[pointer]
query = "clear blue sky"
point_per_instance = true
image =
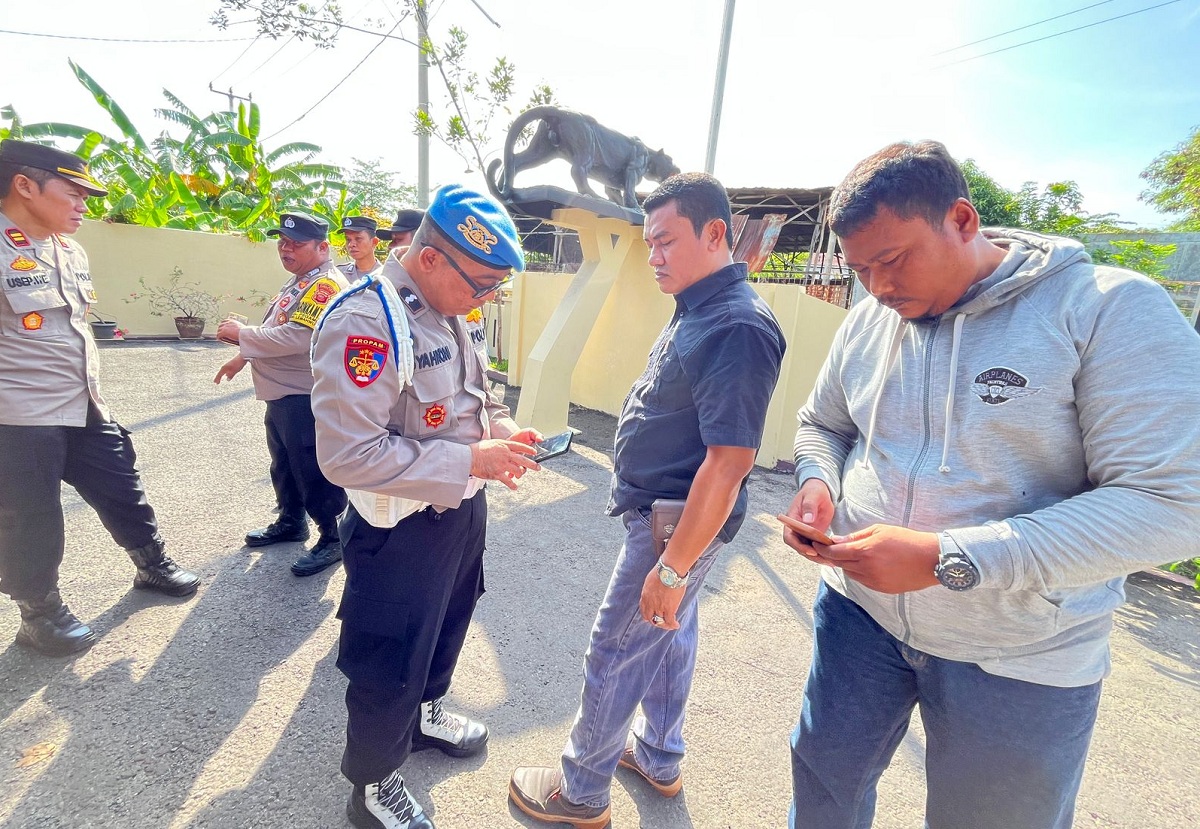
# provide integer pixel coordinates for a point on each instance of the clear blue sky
(811, 87)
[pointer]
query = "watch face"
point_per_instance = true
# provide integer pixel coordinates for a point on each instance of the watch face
(958, 574)
(668, 576)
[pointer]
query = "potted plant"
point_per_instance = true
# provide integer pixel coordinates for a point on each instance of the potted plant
(186, 301)
(103, 329)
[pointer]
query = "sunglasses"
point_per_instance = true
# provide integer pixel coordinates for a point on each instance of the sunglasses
(480, 291)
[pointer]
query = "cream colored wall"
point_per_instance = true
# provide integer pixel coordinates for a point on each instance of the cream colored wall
(630, 321)
(120, 254)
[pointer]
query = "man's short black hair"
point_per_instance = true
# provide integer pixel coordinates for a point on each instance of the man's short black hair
(909, 179)
(10, 171)
(699, 197)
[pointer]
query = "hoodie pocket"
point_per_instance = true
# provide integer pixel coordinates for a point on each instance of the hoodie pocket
(973, 624)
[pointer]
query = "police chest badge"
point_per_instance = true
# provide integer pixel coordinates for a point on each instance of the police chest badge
(23, 263)
(476, 315)
(365, 359)
(434, 416)
(1000, 385)
(32, 321)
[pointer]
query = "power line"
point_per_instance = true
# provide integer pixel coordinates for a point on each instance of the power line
(1057, 34)
(235, 60)
(1020, 28)
(357, 66)
(125, 39)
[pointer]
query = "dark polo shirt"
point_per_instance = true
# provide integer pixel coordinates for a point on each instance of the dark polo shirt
(708, 382)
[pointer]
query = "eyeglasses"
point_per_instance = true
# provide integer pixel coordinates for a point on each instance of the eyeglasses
(480, 291)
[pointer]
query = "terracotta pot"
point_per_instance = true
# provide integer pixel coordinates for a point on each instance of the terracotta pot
(190, 328)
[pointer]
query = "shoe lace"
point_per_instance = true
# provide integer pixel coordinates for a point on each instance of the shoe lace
(438, 717)
(393, 796)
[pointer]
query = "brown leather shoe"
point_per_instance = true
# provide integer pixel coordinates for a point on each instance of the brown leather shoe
(667, 788)
(537, 791)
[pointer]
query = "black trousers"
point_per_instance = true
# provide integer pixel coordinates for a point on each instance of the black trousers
(98, 460)
(299, 484)
(409, 596)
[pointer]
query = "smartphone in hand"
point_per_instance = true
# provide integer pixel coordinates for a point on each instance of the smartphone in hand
(805, 531)
(553, 446)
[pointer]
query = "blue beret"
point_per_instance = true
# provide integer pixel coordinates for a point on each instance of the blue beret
(477, 225)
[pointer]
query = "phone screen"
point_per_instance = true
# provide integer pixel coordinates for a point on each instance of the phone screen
(553, 446)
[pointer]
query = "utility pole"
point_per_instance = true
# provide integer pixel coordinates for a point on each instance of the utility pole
(422, 104)
(248, 98)
(714, 124)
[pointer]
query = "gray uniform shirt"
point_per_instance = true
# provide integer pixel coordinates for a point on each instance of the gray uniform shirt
(48, 362)
(278, 349)
(377, 435)
(350, 269)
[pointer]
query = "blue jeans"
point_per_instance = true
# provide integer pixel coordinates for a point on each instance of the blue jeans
(630, 661)
(1001, 753)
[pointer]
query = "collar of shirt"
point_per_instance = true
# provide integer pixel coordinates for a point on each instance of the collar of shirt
(694, 296)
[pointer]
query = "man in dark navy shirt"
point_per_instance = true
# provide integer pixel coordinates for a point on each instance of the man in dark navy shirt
(690, 429)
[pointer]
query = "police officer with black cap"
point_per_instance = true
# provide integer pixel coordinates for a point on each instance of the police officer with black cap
(414, 435)
(361, 241)
(400, 234)
(54, 425)
(277, 351)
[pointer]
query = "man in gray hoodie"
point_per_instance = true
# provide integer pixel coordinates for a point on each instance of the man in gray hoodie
(1000, 435)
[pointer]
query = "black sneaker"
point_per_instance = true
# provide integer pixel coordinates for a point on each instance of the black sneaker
(278, 532)
(386, 805)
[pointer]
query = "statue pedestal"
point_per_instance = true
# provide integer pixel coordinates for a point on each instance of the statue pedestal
(612, 245)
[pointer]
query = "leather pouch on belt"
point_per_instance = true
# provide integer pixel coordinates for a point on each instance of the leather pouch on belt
(664, 516)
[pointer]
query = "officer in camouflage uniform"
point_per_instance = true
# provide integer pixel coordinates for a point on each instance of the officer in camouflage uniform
(277, 352)
(54, 425)
(411, 429)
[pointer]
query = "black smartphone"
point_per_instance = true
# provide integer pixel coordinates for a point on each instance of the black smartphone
(553, 446)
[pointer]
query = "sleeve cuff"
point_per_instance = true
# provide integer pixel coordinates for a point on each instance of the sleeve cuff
(812, 470)
(990, 547)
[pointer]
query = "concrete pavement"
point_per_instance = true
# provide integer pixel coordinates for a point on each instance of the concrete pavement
(225, 710)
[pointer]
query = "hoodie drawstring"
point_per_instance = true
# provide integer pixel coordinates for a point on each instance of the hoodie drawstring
(954, 342)
(893, 350)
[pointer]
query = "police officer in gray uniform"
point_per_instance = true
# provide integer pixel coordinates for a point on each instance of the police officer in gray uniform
(412, 431)
(277, 352)
(400, 234)
(361, 241)
(54, 425)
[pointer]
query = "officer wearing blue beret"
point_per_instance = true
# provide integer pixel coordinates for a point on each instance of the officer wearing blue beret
(407, 424)
(54, 425)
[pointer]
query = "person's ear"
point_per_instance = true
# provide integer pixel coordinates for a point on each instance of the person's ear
(963, 219)
(714, 233)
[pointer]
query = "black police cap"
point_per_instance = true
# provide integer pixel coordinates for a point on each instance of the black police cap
(407, 219)
(301, 227)
(358, 223)
(63, 164)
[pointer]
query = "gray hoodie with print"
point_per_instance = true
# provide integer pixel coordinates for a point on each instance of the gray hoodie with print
(1047, 425)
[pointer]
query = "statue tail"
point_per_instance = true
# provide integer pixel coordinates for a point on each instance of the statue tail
(503, 181)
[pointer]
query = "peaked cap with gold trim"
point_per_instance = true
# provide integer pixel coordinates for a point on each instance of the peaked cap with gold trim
(63, 164)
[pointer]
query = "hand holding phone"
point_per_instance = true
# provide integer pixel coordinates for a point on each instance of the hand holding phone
(553, 446)
(805, 531)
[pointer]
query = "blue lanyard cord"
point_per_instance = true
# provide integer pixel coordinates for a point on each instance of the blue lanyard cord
(387, 312)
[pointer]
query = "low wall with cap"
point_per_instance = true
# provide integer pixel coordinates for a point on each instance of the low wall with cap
(243, 273)
(632, 317)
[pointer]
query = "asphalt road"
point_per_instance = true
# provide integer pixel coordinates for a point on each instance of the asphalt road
(226, 711)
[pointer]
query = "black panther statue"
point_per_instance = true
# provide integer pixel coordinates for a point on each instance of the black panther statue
(618, 161)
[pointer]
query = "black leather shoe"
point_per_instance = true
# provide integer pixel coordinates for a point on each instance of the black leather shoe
(49, 627)
(451, 734)
(386, 805)
(277, 533)
(326, 553)
(156, 571)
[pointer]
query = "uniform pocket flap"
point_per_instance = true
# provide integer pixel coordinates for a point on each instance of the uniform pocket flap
(38, 299)
(372, 615)
(435, 384)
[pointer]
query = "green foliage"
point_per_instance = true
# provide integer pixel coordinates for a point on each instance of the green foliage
(997, 205)
(1189, 567)
(218, 177)
(1136, 255)
(178, 298)
(1174, 183)
(377, 190)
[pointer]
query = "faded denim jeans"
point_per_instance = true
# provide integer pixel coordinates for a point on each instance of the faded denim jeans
(630, 662)
(1001, 753)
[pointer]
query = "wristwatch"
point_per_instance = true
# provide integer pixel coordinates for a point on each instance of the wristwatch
(668, 576)
(956, 571)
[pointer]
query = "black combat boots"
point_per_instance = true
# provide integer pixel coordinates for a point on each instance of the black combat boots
(156, 571)
(49, 627)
